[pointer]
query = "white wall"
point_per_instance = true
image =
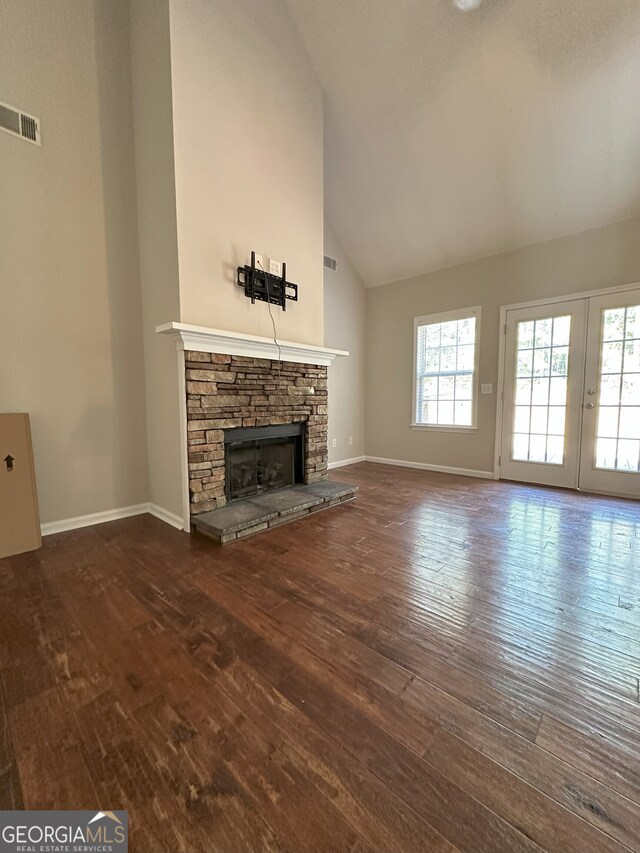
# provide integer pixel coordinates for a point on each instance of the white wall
(70, 348)
(603, 257)
(344, 323)
(155, 180)
(248, 131)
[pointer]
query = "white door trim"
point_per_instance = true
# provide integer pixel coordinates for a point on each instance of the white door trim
(570, 297)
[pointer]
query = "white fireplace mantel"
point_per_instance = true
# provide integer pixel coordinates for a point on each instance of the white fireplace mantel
(203, 339)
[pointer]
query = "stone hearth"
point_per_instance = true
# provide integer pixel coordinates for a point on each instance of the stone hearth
(256, 514)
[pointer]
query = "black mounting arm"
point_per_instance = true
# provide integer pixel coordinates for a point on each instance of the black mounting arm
(266, 287)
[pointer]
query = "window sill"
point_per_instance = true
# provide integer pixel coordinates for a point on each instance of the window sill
(437, 428)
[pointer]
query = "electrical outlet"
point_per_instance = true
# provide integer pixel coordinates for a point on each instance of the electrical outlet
(350, 439)
(275, 267)
(334, 442)
(486, 388)
(259, 261)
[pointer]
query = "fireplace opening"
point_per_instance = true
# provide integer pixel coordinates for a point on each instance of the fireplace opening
(259, 459)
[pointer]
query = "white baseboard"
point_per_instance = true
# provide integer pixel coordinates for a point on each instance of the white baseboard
(111, 515)
(93, 518)
(342, 462)
(426, 466)
(166, 516)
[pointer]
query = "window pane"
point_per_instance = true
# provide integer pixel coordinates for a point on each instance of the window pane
(630, 422)
(465, 357)
(467, 331)
(555, 449)
(628, 455)
(610, 390)
(632, 357)
(612, 358)
(606, 453)
(464, 387)
(630, 389)
(556, 420)
(429, 413)
(523, 392)
(430, 388)
(608, 422)
(525, 335)
(447, 359)
(613, 327)
(432, 360)
(632, 329)
(463, 413)
(537, 448)
(561, 331)
(542, 362)
(558, 391)
(449, 333)
(540, 392)
(520, 447)
(525, 363)
(433, 335)
(445, 412)
(539, 420)
(560, 361)
(446, 387)
(522, 419)
(542, 337)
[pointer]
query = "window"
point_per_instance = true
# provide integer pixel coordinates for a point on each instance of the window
(446, 368)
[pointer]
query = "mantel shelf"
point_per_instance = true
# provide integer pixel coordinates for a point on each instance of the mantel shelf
(203, 339)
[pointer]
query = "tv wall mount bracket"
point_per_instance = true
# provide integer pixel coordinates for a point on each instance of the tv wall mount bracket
(266, 287)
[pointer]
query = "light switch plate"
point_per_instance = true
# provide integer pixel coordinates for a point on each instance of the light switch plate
(486, 388)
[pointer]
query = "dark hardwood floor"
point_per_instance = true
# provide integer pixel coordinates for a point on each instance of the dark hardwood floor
(445, 664)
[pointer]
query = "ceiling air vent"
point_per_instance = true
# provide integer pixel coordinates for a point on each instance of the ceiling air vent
(330, 263)
(20, 124)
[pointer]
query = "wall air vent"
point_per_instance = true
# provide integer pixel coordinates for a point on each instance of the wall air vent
(20, 124)
(330, 263)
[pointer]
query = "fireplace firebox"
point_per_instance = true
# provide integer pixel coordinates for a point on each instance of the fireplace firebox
(259, 459)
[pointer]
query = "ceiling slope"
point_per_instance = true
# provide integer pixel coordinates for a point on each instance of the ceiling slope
(451, 136)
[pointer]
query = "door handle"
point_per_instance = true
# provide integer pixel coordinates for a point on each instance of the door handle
(589, 405)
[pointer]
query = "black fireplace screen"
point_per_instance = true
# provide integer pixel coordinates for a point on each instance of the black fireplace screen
(258, 459)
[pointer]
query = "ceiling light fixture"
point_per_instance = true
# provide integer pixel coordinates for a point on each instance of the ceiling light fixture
(467, 5)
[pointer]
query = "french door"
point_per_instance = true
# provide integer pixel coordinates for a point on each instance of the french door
(571, 397)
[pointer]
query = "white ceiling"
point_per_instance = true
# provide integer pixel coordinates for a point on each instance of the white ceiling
(451, 136)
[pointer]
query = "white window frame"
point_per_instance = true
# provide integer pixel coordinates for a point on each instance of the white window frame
(431, 319)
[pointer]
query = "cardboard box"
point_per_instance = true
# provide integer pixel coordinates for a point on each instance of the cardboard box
(19, 515)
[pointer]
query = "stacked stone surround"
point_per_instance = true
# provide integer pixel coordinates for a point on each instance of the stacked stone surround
(228, 391)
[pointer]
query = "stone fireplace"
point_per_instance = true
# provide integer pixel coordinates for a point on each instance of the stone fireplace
(253, 427)
(245, 417)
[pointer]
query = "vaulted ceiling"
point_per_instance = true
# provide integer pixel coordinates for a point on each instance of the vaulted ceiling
(451, 136)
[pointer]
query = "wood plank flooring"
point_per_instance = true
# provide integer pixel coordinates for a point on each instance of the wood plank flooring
(444, 665)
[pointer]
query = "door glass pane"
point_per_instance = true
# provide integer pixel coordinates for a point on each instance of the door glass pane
(618, 432)
(542, 368)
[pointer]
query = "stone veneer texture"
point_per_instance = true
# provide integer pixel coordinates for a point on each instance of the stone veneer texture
(228, 391)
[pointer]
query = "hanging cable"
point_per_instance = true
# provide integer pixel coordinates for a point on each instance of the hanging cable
(273, 323)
